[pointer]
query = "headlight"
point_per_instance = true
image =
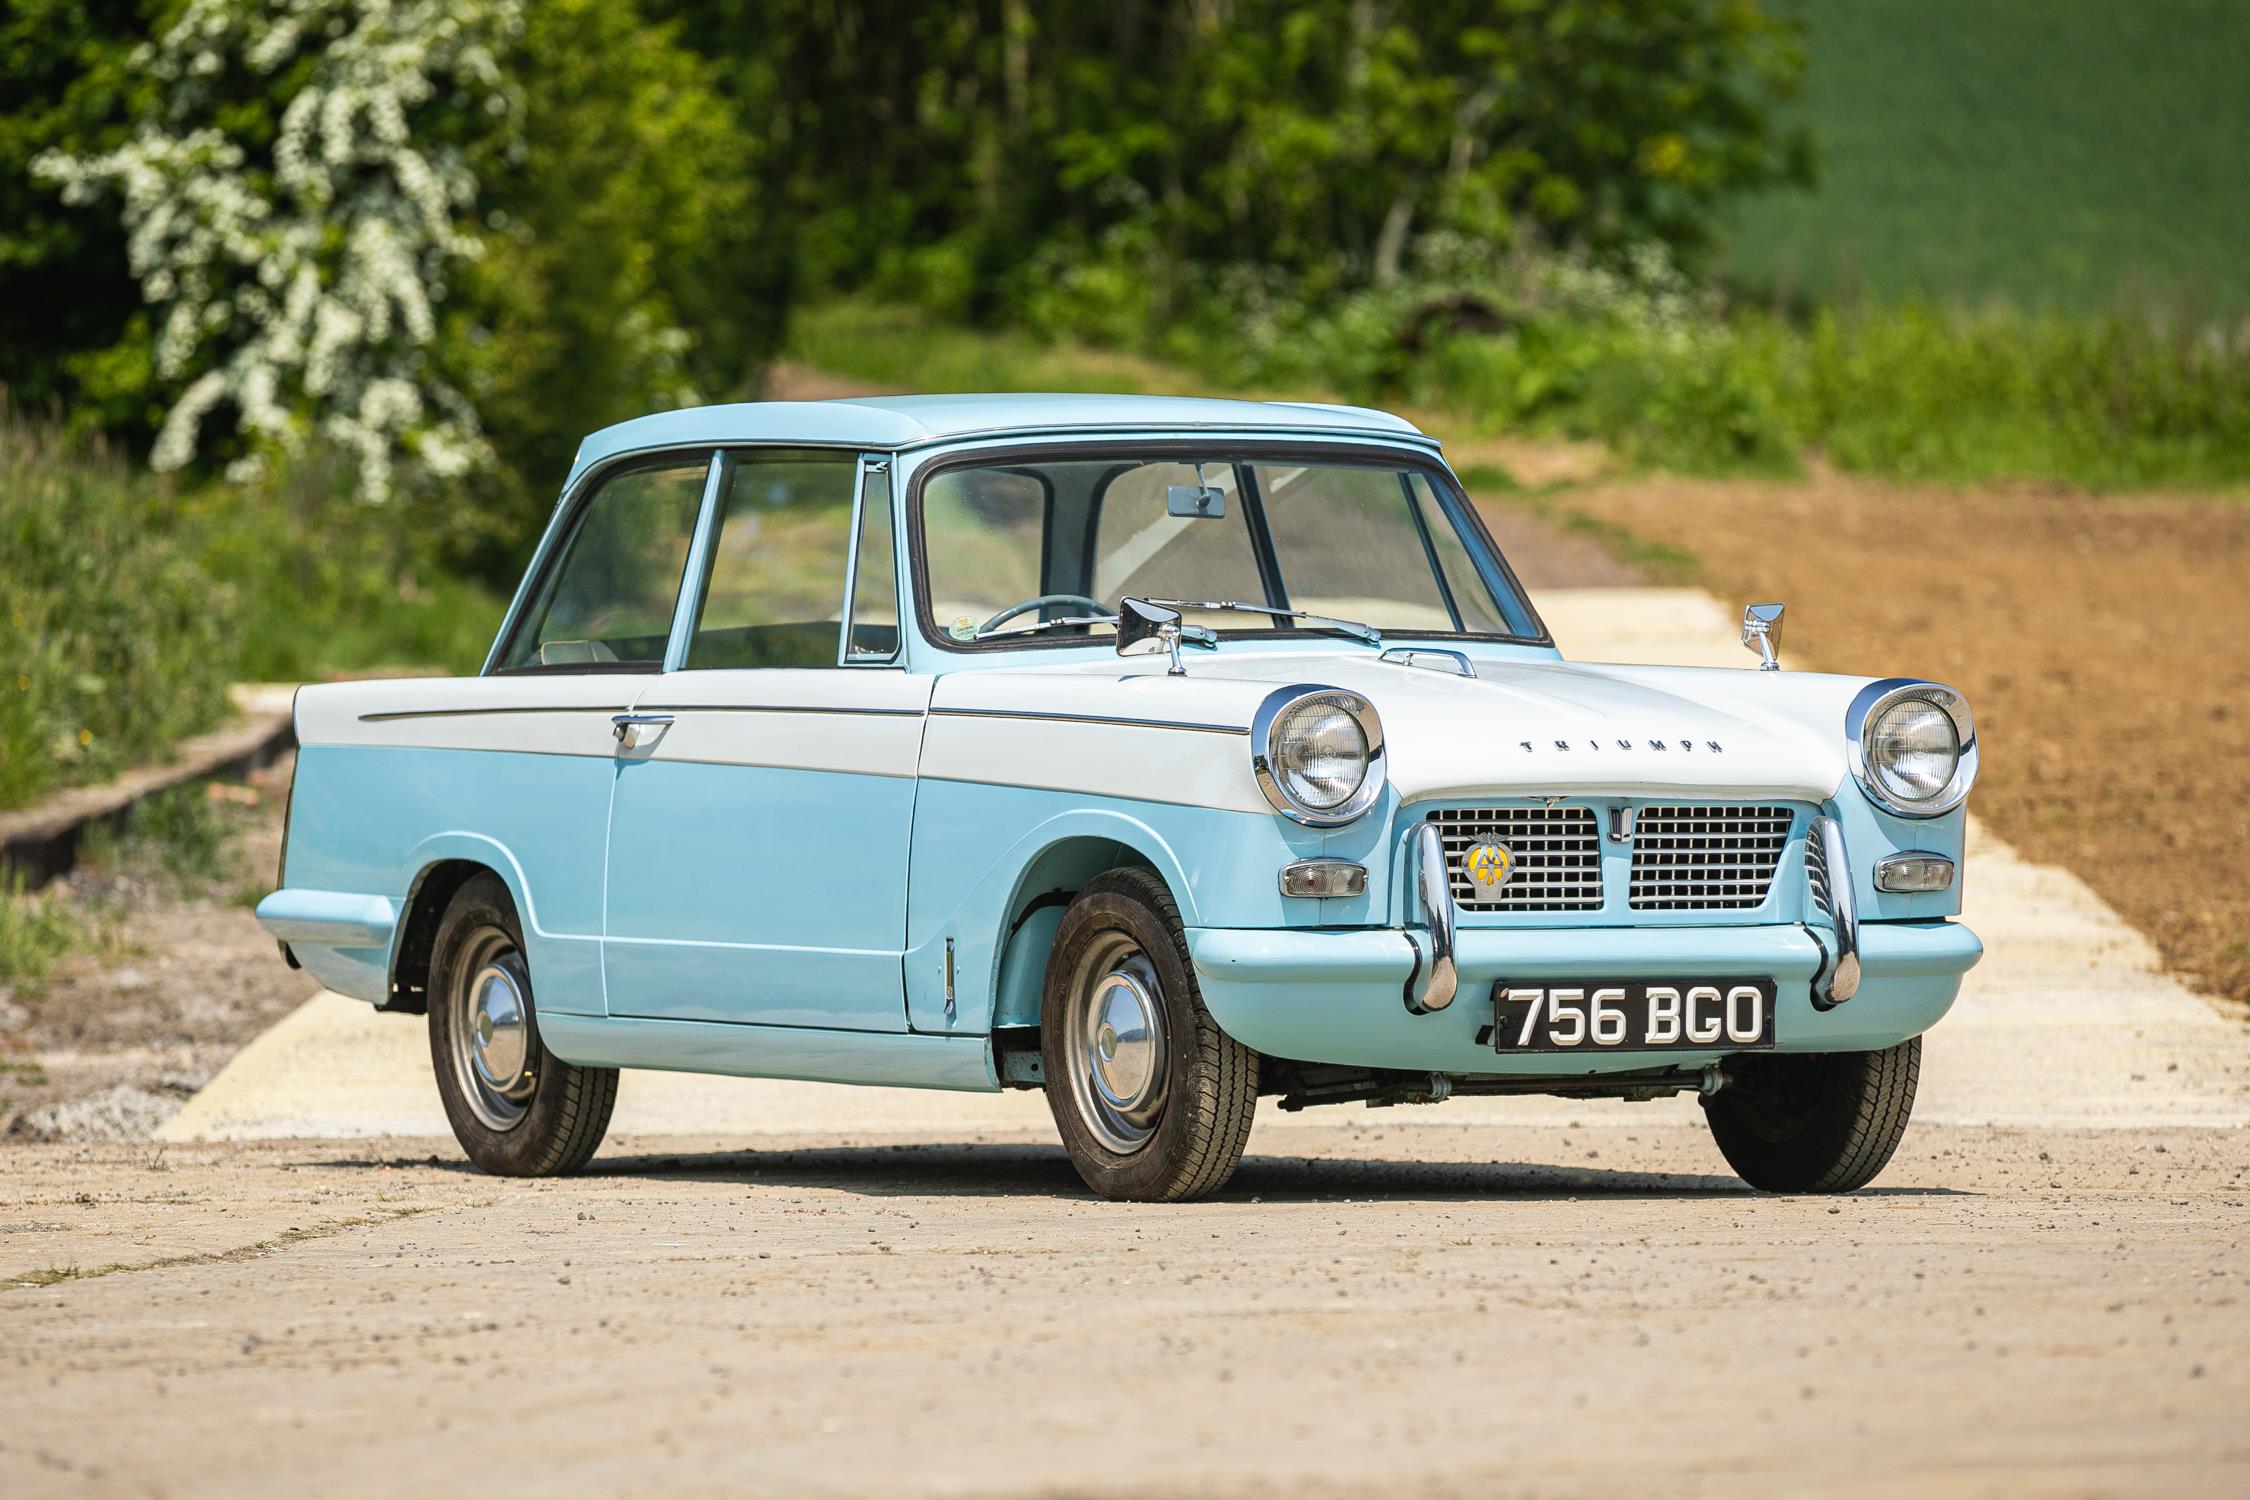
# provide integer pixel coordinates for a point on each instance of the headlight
(1914, 746)
(1318, 754)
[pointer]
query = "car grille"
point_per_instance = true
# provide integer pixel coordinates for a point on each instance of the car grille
(1557, 864)
(1706, 858)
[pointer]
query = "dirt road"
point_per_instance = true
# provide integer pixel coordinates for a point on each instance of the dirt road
(1552, 1309)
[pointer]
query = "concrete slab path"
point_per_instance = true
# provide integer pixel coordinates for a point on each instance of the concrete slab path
(2068, 1021)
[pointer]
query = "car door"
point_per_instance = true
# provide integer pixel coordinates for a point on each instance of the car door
(765, 783)
(535, 781)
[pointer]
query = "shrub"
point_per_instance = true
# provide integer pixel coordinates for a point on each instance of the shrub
(133, 602)
(118, 644)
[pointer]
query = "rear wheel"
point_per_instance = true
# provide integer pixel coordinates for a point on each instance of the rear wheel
(1817, 1122)
(517, 1110)
(1154, 1102)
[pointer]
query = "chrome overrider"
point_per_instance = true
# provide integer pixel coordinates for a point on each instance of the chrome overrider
(1432, 985)
(1838, 980)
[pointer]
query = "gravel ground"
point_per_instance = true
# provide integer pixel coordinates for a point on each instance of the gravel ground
(1552, 1309)
(173, 976)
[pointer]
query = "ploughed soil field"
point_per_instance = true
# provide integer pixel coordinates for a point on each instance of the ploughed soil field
(2104, 644)
(1390, 1305)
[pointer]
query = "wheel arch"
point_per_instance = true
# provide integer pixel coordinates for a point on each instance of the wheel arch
(441, 867)
(1044, 888)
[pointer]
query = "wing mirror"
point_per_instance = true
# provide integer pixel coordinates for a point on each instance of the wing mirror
(1145, 629)
(1761, 632)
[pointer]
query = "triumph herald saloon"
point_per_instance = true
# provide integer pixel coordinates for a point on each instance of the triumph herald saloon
(1163, 754)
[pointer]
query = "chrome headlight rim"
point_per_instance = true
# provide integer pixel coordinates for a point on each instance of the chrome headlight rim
(1373, 777)
(1867, 711)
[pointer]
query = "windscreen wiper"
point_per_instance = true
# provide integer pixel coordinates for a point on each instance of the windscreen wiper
(1352, 628)
(1038, 625)
(1190, 635)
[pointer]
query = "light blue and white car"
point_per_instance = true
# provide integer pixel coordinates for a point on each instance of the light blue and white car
(1160, 753)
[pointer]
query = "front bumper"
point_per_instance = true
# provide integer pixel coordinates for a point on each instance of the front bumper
(1336, 996)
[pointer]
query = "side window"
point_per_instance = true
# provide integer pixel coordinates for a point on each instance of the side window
(607, 603)
(874, 634)
(774, 594)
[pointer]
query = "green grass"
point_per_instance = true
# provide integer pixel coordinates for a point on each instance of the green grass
(901, 348)
(115, 641)
(2100, 402)
(177, 831)
(37, 931)
(129, 604)
(2076, 155)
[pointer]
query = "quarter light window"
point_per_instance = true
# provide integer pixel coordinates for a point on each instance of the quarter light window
(606, 605)
(874, 634)
(774, 596)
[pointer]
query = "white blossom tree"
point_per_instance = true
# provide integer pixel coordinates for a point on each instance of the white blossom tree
(298, 197)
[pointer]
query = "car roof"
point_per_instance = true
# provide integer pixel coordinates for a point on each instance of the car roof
(898, 422)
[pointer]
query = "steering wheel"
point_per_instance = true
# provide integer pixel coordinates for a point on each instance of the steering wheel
(1041, 602)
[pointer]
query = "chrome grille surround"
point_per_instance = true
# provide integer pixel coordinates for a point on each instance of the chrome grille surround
(1706, 856)
(1557, 853)
(1816, 878)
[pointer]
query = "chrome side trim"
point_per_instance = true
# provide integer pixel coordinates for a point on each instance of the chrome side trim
(1838, 981)
(1053, 718)
(783, 708)
(682, 708)
(1431, 986)
(466, 713)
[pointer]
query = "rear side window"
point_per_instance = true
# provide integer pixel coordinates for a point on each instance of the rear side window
(606, 605)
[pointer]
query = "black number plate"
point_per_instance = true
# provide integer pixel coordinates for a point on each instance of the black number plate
(1631, 1015)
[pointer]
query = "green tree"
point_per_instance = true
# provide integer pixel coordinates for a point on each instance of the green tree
(66, 296)
(629, 265)
(969, 151)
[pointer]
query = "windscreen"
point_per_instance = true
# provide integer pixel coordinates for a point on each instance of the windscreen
(1017, 551)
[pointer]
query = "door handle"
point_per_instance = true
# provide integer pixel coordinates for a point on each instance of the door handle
(624, 725)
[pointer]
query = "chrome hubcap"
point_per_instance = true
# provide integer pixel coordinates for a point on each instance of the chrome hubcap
(490, 1011)
(1116, 1045)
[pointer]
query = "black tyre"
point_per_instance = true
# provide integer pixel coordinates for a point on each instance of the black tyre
(516, 1109)
(1153, 1101)
(1818, 1122)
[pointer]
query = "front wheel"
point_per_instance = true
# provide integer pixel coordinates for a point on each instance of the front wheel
(516, 1108)
(1815, 1122)
(1153, 1101)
